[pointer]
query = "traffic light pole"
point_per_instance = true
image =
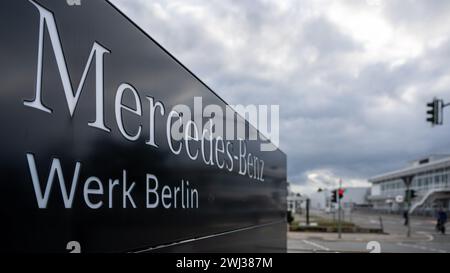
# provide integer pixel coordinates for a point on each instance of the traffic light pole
(408, 196)
(440, 117)
(407, 180)
(307, 211)
(339, 212)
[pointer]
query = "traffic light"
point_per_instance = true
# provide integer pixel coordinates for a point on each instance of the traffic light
(334, 196)
(341, 193)
(434, 112)
(410, 194)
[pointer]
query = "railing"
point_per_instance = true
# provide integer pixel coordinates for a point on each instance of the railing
(426, 197)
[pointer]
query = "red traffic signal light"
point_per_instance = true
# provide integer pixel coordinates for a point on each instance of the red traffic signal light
(341, 193)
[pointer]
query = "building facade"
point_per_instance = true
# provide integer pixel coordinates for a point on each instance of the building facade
(295, 201)
(430, 180)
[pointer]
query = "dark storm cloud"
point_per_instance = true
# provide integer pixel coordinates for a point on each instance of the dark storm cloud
(352, 105)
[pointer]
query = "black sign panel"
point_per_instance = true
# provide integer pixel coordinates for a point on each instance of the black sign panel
(87, 161)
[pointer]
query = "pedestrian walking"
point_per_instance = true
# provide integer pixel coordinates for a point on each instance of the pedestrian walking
(441, 220)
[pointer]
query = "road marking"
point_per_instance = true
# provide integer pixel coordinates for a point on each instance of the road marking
(316, 245)
(428, 235)
(422, 248)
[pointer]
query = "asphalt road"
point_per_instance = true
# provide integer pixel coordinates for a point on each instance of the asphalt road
(424, 238)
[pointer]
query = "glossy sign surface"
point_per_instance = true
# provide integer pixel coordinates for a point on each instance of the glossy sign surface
(85, 102)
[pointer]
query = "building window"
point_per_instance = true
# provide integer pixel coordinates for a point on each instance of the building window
(437, 180)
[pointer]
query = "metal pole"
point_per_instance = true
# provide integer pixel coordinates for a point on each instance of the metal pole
(381, 225)
(351, 212)
(307, 211)
(408, 196)
(407, 180)
(339, 211)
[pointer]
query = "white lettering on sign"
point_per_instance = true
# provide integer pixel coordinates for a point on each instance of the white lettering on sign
(198, 141)
(119, 106)
(181, 196)
(47, 19)
(42, 199)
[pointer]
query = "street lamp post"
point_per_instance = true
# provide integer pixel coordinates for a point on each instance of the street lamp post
(407, 180)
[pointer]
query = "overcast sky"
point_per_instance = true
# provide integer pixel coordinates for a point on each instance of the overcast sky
(352, 77)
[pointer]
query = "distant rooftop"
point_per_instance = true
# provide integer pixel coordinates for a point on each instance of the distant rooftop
(420, 165)
(427, 159)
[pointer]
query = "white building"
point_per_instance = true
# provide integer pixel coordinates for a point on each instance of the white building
(295, 201)
(430, 180)
(353, 197)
